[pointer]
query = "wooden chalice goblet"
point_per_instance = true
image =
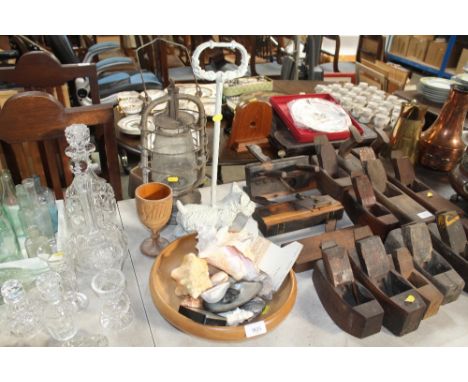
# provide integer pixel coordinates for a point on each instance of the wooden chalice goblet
(154, 206)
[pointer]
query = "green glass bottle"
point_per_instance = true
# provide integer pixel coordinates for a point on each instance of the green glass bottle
(9, 248)
(10, 204)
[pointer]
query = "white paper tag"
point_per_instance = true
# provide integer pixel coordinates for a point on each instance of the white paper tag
(255, 329)
(424, 215)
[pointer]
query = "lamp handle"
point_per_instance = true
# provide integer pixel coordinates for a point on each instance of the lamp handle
(211, 75)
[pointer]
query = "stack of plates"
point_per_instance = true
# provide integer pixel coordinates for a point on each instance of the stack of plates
(435, 89)
(461, 79)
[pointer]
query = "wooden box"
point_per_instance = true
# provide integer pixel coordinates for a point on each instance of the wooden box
(417, 48)
(435, 53)
(400, 45)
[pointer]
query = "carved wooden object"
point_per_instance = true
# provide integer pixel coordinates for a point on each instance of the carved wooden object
(404, 307)
(251, 125)
(404, 207)
(449, 239)
(430, 263)
(364, 209)
(429, 293)
(312, 246)
(349, 304)
(303, 211)
(405, 179)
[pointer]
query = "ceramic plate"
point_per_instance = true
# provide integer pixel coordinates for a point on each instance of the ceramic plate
(461, 78)
(131, 125)
(436, 83)
(319, 115)
(153, 94)
(192, 90)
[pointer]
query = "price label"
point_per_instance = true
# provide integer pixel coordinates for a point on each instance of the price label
(424, 215)
(255, 329)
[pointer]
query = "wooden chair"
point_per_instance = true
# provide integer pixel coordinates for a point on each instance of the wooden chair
(32, 128)
(41, 70)
(370, 48)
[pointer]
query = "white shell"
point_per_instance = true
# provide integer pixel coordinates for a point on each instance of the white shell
(237, 316)
(215, 294)
(219, 278)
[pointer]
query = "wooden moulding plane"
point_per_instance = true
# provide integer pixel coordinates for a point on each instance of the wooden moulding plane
(430, 263)
(363, 208)
(401, 204)
(404, 307)
(449, 239)
(332, 178)
(287, 190)
(404, 264)
(312, 246)
(349, 303)
(405, 179)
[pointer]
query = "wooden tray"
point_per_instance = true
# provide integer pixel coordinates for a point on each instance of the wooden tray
(162, 288)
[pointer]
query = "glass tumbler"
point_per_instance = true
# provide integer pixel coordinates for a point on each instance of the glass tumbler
(363, 85)
(116, 312)
(348, 86)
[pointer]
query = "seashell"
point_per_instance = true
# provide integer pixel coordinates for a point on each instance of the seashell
(192, 276)
(215, 294)
(237, 295)
(231, 261)
(192, 303)
(219, 278)
(256, 306)
(237, 316)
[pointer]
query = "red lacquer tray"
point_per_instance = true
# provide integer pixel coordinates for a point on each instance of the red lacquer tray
(280, 105)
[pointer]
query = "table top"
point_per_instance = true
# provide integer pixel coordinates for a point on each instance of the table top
(308, 324)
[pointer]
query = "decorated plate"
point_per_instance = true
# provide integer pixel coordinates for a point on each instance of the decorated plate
(131, 125)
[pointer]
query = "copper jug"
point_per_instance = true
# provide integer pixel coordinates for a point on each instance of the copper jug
(441, 146)
(406, 133)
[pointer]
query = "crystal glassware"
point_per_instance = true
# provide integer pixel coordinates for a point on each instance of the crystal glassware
(360, 100)
(392, 98)
(65, 267)
(363, 85)
(348, 86)
(59, 315)
(116, 312)
(335, 86)
(23, 318)
(372, 88)
(320, 88)
(357, 110)
(154, 206)
(10, 203)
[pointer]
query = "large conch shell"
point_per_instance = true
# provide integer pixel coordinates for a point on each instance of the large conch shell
(196, 217)
(192, 276)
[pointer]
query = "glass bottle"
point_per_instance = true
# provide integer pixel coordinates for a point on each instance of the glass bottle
(47, 196)
(441, 146)
(9, 248)
(23, 319)
(36, 244)
(40, 208)
(9, 202)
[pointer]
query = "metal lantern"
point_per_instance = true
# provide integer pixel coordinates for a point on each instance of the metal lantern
(174, 143)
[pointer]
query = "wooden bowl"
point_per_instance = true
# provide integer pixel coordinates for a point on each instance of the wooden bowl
(162, 288)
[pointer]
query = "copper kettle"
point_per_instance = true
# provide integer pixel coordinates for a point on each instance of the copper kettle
(441, 146)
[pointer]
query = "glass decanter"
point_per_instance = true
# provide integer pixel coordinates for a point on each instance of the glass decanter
(36, 244)
(116, 312)
(95, 241)
(102, 194)
(23, 318)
